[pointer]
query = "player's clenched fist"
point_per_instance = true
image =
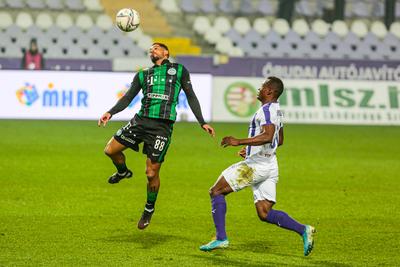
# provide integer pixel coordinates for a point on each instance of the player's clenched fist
(242, 152)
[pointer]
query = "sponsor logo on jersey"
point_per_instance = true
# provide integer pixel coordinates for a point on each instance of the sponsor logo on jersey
(158, 96)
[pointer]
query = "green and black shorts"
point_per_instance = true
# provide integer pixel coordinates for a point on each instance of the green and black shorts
(154, 133)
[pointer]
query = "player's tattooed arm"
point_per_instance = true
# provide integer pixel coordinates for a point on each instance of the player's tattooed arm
(264, 137)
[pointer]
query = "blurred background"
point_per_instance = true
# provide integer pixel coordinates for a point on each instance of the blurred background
(340, 60)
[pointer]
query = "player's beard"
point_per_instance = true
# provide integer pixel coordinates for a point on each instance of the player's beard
(154, 58)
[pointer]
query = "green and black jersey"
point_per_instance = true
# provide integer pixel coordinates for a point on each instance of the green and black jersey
(161, 85)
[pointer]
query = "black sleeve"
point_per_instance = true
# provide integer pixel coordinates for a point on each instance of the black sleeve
(128, 97)
(191, 96)
(42, 62)
(23, 61)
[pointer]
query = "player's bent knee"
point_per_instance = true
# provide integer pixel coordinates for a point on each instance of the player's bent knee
(108, 151)
(214, 192)
(262, 214)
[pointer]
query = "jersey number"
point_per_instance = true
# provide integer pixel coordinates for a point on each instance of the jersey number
(159, 145)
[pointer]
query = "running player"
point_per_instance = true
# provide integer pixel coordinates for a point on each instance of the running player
(153, 124)
(259, 169)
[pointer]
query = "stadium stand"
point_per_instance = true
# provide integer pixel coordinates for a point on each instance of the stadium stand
(84, 29)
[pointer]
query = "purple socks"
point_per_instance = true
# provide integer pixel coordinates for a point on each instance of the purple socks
(283, 220)
(218, 210)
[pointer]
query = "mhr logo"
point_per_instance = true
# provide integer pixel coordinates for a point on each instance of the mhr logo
(52, 97)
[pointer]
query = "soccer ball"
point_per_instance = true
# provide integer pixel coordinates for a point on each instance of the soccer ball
(127, 19)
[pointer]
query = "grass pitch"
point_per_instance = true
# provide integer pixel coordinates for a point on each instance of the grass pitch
(56, 207)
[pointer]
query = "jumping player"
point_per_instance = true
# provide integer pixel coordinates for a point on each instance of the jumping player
(153, 124)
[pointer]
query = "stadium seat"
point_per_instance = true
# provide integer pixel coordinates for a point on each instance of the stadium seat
(145, 42)
(54, 52)
(207, 6)
(75, 52)
(53, 32)
(266, 8)
(307, 8)
(84, 21)
(24, 20)
(34, 32)
(300, 27)
(189, 6)
(64, 41)
(224, 45)
(241, 25)
(361, 9)
(395, 29)
(104, 22)
(233, 35)
(253, 36)
(95, 52)
(226, 6)
(340, 28)
(320, 27)
(36, 4)
(359, 28)
(236, 52)
(55, 4)
(44, 20)
(379, 29)
(135, 35)
(311, 38)
(378, 9)
(212, 36)
(113, 34)
(246, 7)
(17, 4)
(106, 43)
(74, 33)
(5, 20)
(12, 51)
(169, 6)
(84, 42)
(391, 39)
(222, 24)
(64, 21)
(114, 51)
(22, 41)
(201, 24)
(261, 25)
(293, 37)
(93, 5)
(281, 26)
(75, 5)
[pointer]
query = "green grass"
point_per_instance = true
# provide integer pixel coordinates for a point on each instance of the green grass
(56, 207)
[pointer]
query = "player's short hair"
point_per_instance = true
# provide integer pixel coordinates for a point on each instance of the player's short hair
(163, 46)
(276, 84)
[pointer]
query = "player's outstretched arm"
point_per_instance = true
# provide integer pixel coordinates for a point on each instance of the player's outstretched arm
(264, 137)
(104, 119)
